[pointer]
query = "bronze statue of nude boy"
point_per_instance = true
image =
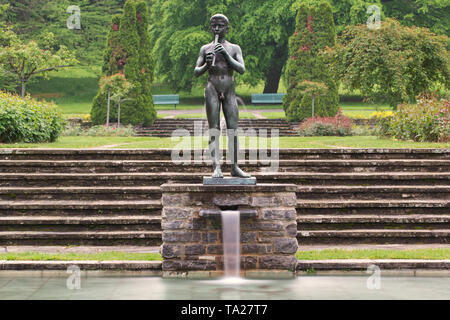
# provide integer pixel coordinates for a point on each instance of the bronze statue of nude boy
(221, 58)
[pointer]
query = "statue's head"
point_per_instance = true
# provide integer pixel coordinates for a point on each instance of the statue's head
(219, 24)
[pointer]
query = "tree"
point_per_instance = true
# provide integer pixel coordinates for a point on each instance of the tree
(314, 31)
(127, 52)
(432, 14)
(116, 87)
(313, 90)
(24, 60)
(113, 63)
(394, 63)
(261, 27)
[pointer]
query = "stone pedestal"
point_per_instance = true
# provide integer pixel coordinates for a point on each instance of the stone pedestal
(192, 227)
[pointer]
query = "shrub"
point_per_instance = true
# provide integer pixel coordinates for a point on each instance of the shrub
(426, 121)
(28, 120)
(361, 131)
(100, 131)
(338, 125)
(383, 119)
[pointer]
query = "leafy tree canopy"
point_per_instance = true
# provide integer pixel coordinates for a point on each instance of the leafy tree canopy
(394, 63)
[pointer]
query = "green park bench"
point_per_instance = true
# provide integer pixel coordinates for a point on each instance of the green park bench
(267, 98)
(166, 99)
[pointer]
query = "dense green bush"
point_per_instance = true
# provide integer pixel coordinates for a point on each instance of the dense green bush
(28, 120)
(426, 121)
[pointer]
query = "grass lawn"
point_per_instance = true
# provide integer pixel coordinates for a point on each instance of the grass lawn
(101, 256)
(242, 115)
(335, 254)
(274, 115)
(328, 254)
(188, 142)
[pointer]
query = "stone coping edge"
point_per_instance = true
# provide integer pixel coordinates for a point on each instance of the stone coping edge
(168, 150)
(363, 264)
(262, 187)
(83, 265)
(302, 266)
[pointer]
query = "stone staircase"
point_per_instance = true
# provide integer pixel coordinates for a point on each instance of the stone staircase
(166, 127)
(112, 197)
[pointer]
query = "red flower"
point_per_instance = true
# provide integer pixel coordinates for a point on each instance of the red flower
(143, 70)
(308, 24)
(115, 27)
(306, 48)
(293, 58)
(296, 33)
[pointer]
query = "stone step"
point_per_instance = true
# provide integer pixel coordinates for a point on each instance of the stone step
(373, 207)
(370, 236)
(154, 193)
(341, 222)
(80, 208)
(81, 193)
(99, 166)
(373, 192)
(159, 178)
(80, 223)
(165, 154)
(105, 238)
(347, 204)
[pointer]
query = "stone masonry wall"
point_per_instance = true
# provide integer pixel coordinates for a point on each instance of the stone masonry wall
(192, 243)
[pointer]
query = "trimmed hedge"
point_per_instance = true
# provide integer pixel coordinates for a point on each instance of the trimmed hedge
(27, 120)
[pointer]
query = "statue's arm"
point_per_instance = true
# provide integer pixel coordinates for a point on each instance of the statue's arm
(238, 62)
(201, 65)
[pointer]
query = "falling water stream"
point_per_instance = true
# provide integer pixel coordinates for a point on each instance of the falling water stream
(231, 243)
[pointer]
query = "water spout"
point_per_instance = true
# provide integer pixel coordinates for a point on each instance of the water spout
(231, 243)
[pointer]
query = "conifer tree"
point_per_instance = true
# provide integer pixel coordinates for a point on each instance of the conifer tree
(314, 31)
(128, 52)
(113, 62)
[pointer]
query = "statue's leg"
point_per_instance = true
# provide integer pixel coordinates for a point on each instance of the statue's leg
(231, 112)
(213, 114)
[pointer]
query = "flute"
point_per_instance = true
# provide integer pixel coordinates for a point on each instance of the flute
(216, 41)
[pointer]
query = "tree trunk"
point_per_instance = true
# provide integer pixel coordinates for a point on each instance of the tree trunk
(108, 107)
(118, 113)
(273, 75)
(22, 94)
(22, 78)
(313, 97)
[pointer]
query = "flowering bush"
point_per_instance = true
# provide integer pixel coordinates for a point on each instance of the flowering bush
(426, 121)
(383, 120)
(28, 120)
(101, 131)
(338, 125)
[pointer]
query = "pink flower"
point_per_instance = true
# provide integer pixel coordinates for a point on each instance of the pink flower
(308, 24)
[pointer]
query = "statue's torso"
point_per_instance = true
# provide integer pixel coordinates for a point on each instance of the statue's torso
(221, 75)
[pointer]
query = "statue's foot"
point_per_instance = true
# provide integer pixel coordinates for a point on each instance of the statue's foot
(237, 172)
(217, 173)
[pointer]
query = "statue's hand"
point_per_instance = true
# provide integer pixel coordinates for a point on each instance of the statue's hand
(219, 48)
(209, 58)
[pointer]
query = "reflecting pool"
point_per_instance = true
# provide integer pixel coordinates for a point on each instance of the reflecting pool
(156, 288)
